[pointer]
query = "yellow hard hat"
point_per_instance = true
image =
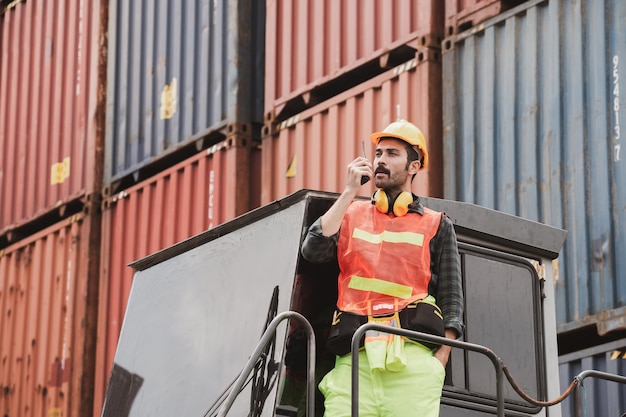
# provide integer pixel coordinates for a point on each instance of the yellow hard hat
(407, 132)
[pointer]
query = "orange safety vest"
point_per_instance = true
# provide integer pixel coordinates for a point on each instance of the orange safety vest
(384, 260)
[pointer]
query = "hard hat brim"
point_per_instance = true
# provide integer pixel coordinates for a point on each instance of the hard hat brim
(376, 137)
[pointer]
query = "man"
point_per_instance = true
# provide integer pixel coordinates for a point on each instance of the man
(396, 258)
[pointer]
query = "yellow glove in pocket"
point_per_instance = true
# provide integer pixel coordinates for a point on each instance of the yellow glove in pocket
(385, 351)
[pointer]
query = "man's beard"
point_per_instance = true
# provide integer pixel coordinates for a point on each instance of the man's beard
(393, 181)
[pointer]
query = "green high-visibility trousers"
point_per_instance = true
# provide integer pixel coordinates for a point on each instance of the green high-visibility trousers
(414, 391)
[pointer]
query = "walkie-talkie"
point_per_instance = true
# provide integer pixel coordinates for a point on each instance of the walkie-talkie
(364, 178)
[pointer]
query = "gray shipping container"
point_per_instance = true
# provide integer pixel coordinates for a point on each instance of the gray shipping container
(533, 115)
(599, 397)
(179, 71)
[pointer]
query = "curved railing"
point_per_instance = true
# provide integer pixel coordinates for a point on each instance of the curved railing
(591, 373)
(265, 339)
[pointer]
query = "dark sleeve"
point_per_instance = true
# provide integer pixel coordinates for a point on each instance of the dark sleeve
(446, 269)
(318, 248)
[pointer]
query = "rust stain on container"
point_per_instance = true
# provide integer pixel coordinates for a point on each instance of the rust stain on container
(58, 373)
(199, 193)
(49, 89)
(465, 14)
(47, 329)
(311, 42)
(325, 138)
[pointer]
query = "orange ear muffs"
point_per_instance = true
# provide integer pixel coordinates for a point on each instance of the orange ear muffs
(381, 201)
(399, 207)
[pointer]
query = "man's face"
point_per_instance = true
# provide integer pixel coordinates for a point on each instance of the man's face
(390, 165)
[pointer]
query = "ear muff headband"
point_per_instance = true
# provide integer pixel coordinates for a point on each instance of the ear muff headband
(399, 207)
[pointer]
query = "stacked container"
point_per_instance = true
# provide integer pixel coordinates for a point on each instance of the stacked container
(183, 121)
(48, 297)
(50, 125)
(313, 148)
(338, 71)
(532, 127)
(52, 70)
(181, 75)
(532, 122)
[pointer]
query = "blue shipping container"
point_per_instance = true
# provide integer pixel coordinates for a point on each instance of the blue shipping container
(179, 71)
(535, 126)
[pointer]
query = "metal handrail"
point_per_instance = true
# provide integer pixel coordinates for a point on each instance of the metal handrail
(356, 338)
(265, 339)
(578, 412)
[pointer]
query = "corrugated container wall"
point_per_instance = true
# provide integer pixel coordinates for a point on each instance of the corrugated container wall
(599, 397)
(50, 130)
(533, 126)
(312, 149)
(310, 43)
(48, 302)
(179, 72)
(197, 194)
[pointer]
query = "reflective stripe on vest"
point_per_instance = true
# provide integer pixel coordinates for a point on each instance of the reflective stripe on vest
(384, 260)
(380, 286)
(391, 237)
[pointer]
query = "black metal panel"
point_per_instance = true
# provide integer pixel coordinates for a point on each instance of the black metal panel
(503, 311)
(451, 411)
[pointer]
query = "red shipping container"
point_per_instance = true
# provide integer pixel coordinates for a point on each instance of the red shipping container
(313, 148)
(48, 302)
(51, 118)
(208, 189)
(464, 14)
(312, 42)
